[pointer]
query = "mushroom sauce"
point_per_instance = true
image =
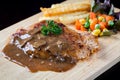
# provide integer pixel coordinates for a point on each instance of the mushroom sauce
(38, 52)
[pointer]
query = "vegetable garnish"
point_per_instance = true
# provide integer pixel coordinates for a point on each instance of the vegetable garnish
(101, 20)
(98, 24)
(51, 28)
(108, 8)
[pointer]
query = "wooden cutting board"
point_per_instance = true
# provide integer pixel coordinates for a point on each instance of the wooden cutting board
(89, 69)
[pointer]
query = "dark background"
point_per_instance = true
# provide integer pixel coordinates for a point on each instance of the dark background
(13, 11)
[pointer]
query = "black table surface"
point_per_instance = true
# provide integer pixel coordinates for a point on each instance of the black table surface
(13, 11)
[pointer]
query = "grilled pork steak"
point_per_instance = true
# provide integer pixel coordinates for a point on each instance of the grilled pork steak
(56, 52)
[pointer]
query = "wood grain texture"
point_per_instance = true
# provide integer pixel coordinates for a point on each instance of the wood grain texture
(84, 70)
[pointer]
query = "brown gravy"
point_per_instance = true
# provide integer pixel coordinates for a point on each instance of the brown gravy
(49, 53)
(34, 64)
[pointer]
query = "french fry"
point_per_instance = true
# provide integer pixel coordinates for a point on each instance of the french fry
(72, 19)
(74, 14)
(73, 1)
(67, 18)
(68, 8)
(57, 18)
(67, 12)
(65, 3)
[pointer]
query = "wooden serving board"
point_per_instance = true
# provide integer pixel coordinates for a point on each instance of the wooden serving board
(89, 69)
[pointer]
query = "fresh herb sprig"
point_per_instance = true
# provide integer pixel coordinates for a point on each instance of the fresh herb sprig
(51, 28)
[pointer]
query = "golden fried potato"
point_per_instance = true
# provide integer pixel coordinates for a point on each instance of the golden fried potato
(67, 18)
(70, 1)
(55, 18)
(72, 19)
(68, 8)
(67, 12)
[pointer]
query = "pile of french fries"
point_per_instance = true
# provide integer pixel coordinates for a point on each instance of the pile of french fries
(67, 12)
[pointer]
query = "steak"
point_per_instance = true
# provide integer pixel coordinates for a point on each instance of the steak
(66, 48)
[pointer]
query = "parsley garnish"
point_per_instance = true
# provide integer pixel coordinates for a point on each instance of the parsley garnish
(51, 28)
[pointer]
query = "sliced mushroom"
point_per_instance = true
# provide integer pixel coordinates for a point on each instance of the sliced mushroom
(38, 43)
(57, 47)
(35, 30)
(40, 36)
(20, 41)
(23, 42)
(53, 48)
